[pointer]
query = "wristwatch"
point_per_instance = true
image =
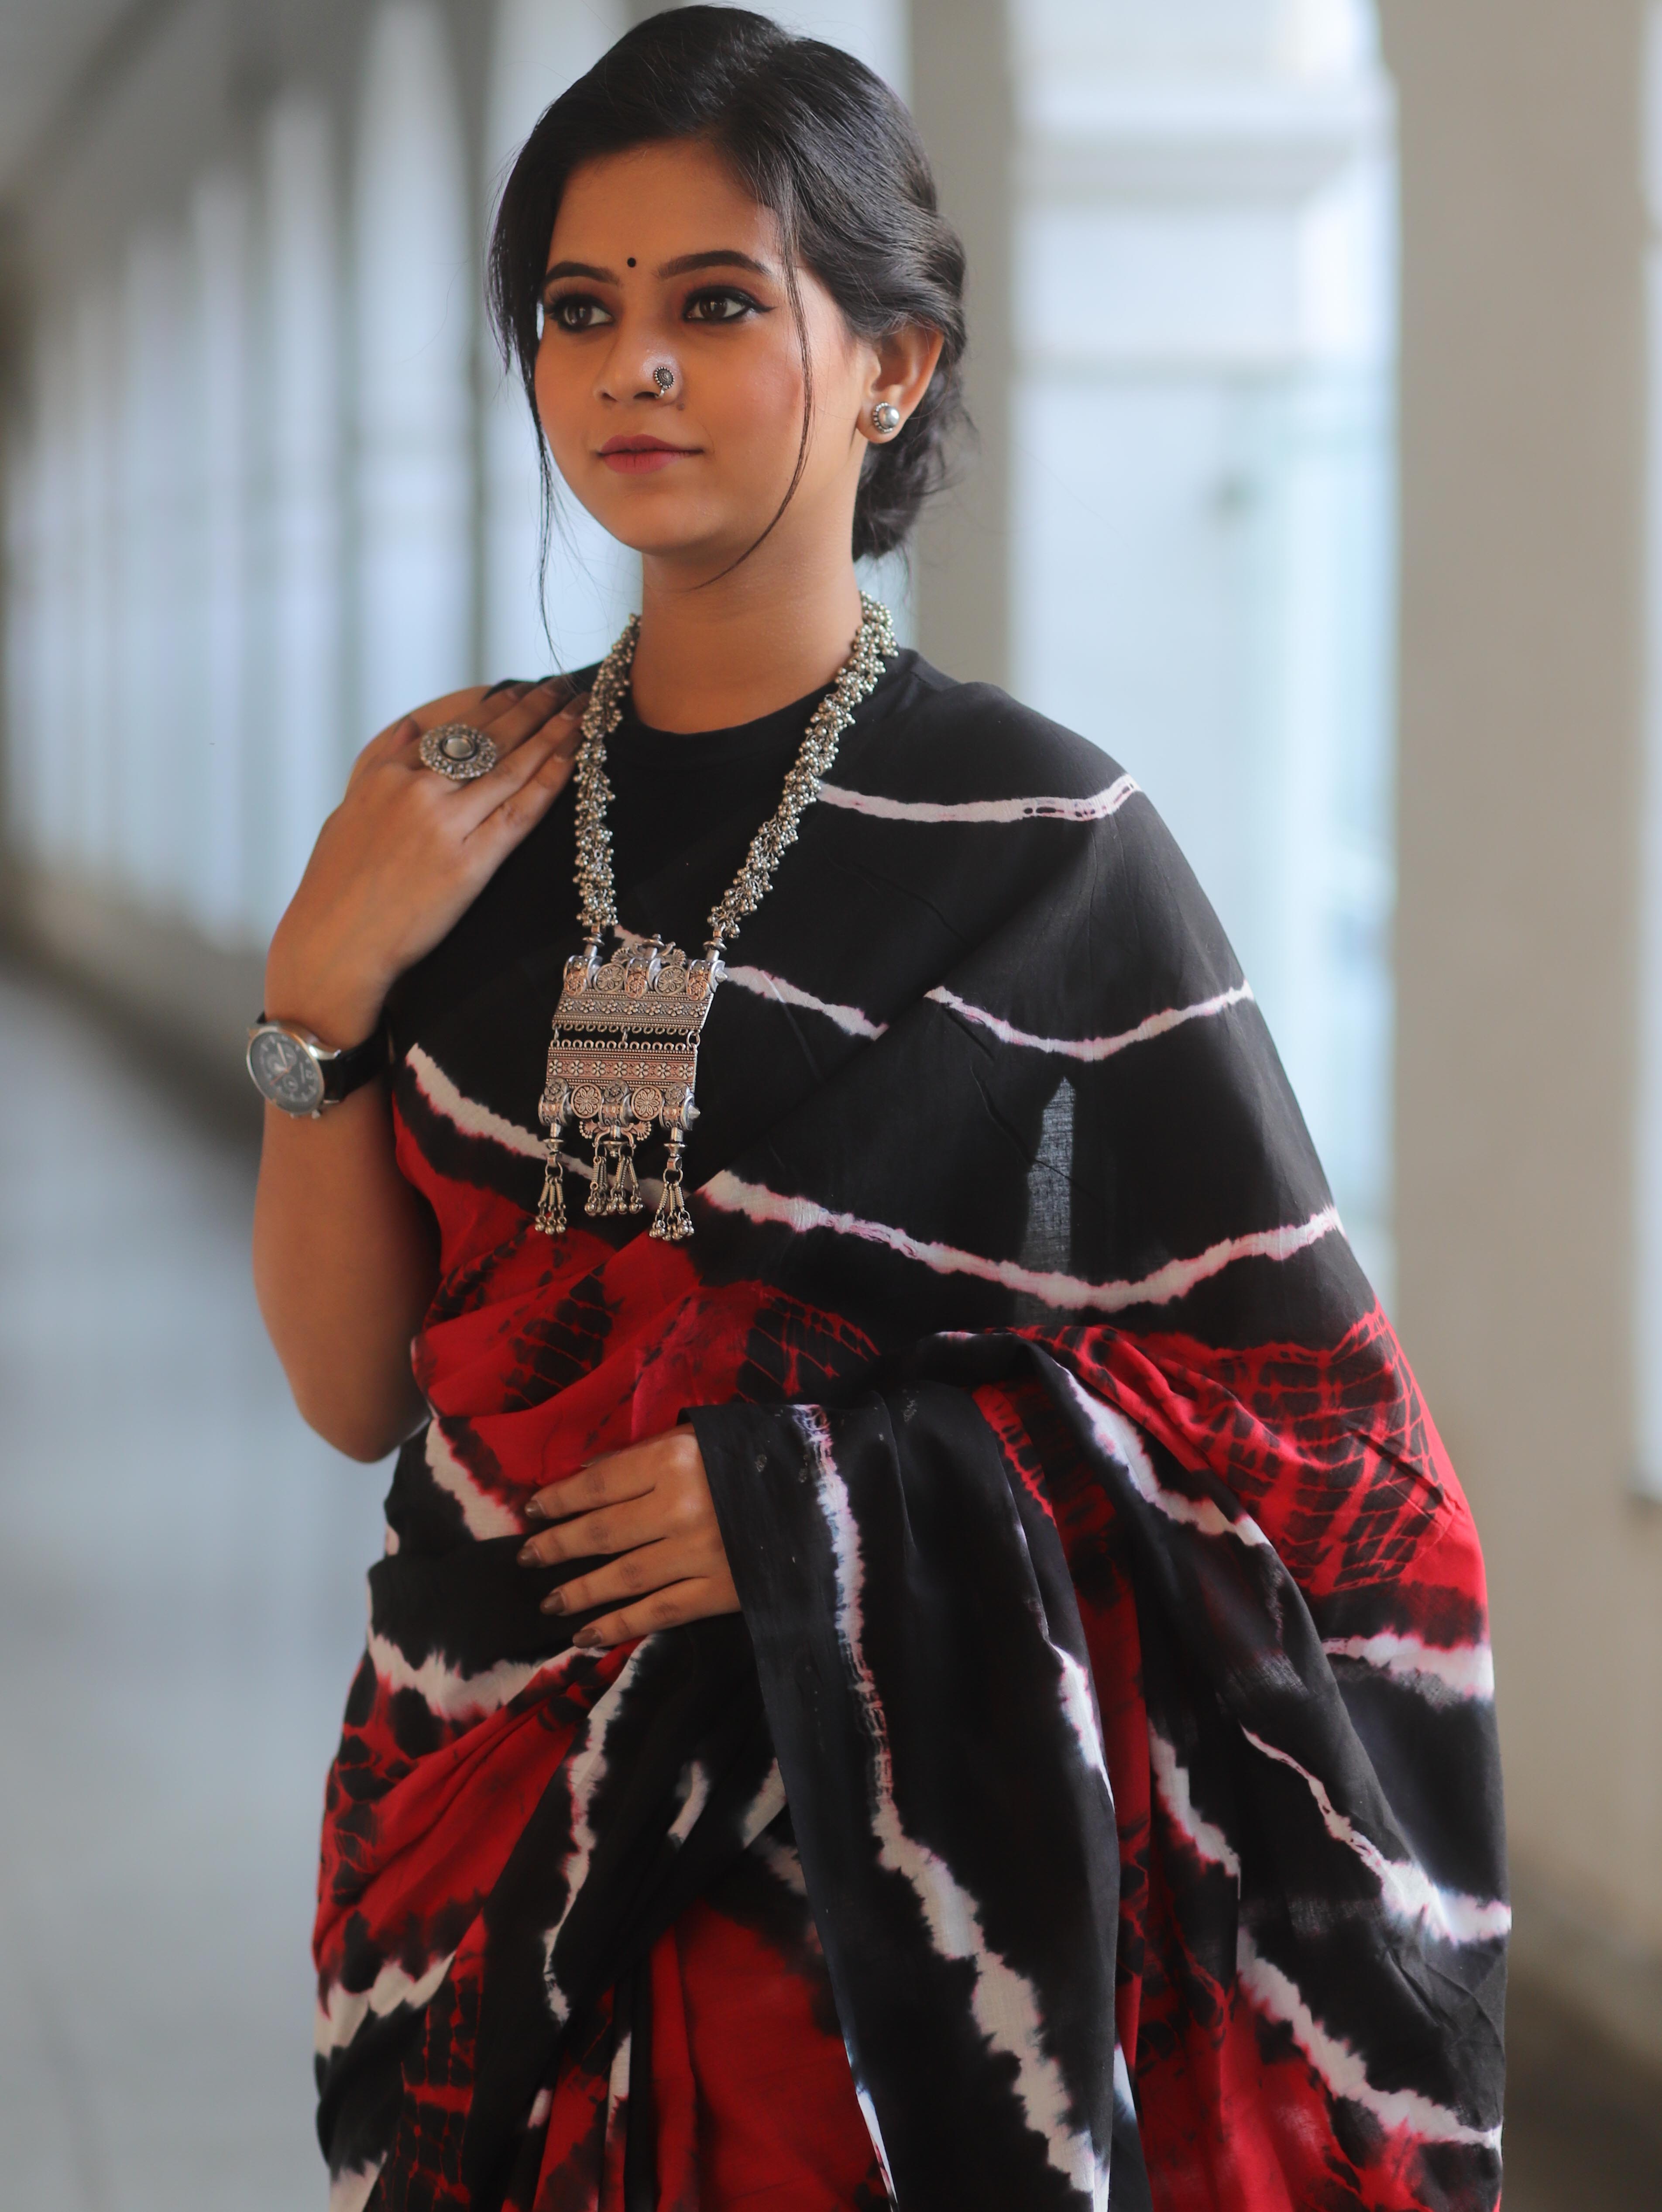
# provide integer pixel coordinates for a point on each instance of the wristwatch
(296, 1072)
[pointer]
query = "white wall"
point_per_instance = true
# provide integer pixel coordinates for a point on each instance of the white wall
(1201, 456)
(415, 281)
(1524, 646)
(305, 727)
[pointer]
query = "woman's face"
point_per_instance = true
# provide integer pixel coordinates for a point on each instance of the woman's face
(660, 259)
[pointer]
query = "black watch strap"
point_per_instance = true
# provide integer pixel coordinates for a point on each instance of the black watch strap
(343, 1073)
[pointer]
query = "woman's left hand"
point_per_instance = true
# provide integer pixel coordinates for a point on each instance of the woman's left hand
(650, 1506)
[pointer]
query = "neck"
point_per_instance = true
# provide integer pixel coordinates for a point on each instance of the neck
(713, 655)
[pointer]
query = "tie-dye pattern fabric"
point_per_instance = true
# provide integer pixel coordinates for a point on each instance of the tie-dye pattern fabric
(1097, 1800)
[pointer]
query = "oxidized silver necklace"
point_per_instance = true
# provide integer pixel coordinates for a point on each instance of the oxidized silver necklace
(626, 1032)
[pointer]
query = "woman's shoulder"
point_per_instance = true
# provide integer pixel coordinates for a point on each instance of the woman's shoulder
(942, 748)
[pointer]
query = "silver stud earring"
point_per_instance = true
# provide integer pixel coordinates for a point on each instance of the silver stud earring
(885, 418)
(663, 378)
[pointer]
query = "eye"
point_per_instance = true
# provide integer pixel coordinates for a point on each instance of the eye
(720, 304)
(574, 311)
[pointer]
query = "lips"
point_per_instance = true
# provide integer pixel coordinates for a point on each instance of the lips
(640, 455)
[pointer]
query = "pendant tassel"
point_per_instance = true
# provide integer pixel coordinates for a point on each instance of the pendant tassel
(672, 1224)
(600, 1181)
(551, 1206)
(614, 1188)
(626, 1191)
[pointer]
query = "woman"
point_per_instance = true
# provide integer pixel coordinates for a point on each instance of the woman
(928, 1649)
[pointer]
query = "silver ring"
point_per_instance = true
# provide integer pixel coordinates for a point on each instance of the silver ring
(663, 378)
(458, 751)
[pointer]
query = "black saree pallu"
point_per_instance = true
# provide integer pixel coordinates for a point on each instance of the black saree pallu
(1097, 1800)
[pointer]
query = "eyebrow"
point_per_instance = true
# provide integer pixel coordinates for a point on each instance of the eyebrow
(718, 257)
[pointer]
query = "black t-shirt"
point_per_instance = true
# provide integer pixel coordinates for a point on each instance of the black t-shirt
(683, 810)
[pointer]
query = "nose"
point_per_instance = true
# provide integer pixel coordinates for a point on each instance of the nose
(640, 367)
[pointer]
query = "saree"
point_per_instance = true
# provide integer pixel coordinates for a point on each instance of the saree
(1096, 1801)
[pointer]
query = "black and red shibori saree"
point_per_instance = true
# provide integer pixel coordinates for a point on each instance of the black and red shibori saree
(1097, 1802)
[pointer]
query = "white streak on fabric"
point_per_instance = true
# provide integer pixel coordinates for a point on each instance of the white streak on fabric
(849, 1019)
(1005, 2008)
(695, 1780)
(447, 1690)
(482, 1515)
(617, 2081)
(1171, 1780)
(1340, 2067)
(350, 2190)
(342, 2013)
(1091, 1049)
(1122, 2086)
(1408, 1892)
(1095, 807)
(585, 1767)
(783, 1862)
(1119, 1438)
(466, 1114)
(1465, 1670)
(1079, 1709)
(729, 1194)
(869, 2114)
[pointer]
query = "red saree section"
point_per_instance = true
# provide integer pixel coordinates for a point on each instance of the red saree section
(441, 1769)
(754, 2104)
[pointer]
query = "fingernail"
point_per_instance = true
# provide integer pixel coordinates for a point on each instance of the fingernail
(528, 1556)
(534, 1510)
(554, 1601)
(588, 1638)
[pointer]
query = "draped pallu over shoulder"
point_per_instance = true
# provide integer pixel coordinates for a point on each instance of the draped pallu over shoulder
(1097, 1802)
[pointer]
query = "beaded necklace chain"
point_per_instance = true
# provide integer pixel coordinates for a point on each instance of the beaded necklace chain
(624, 1055)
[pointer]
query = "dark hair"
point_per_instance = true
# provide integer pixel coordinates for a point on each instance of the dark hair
(815, 136)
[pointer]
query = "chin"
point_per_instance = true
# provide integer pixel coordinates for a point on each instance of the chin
(672, 536)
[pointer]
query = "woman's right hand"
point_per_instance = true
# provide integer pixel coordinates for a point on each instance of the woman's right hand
(407, 852)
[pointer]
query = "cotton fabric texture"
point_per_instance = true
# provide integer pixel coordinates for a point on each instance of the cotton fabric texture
(1104, 1760)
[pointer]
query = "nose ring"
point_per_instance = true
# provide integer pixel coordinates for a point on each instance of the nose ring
(664, 377)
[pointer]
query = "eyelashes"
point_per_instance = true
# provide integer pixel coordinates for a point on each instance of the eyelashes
(723, 297)
(713, 304)
(573, 311)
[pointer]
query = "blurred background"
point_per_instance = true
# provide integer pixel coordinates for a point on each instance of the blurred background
(1317, 356)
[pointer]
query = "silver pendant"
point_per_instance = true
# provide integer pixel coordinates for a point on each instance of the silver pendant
(624, 1060)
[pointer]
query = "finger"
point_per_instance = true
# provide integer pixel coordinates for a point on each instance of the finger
(489, 842)
(608, 1481)
(499, 710)
(502, 701)
(510, 720)
(552, 746)
(508, 800)
(634, 1575)
(693, 1600)
(400, 736)
(512, 712)
(608, 1528)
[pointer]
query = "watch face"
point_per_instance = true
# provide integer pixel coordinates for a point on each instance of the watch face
(285, 1072)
